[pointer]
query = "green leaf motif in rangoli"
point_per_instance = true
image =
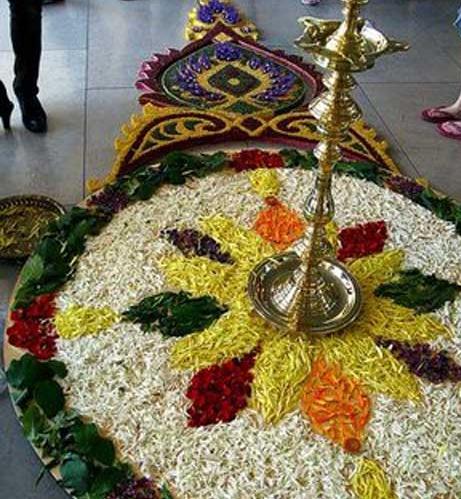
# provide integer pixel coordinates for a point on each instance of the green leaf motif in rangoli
(420, 292)
(175, 314)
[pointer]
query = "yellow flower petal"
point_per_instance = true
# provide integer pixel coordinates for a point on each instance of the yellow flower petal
(233, 335)
(202, 276)
(374, 270)
(369, 481)
(264, 182)
(78, 321)
(378, 370)
(383, 318)
(279, 375)
(246, 247)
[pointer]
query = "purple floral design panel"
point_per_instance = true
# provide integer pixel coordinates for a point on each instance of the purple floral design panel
(233, 78)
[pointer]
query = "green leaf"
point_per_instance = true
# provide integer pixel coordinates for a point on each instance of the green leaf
(103, 451)
(49, 249)
(26, 372)
(175, 314)
(49, 396)
(34, 423)
(91, 444)
(420, 292)
(212, 163)
(21, 397)
(58, 368)
(75, 475)
(106, 480)
(165, 493)
(32, 271)
(362, 170)
(76, 239)
(294, 159)
(442, 206)
(84, 435)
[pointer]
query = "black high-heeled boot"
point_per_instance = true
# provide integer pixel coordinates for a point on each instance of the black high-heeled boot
(6, 107)
(33, 114)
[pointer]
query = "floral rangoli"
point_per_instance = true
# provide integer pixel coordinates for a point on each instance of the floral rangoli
(137, 308)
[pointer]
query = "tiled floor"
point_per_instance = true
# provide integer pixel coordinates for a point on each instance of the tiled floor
(92, 49)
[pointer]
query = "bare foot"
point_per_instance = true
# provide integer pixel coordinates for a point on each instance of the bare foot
(454, 110)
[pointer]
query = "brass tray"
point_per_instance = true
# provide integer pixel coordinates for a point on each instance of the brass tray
(22, 222)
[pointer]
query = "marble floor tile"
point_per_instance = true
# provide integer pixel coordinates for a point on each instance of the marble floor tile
(107, 111)
(119, 40)
(50, 164)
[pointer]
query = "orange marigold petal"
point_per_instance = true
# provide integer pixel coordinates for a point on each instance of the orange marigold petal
(336, 405)
(278, 224)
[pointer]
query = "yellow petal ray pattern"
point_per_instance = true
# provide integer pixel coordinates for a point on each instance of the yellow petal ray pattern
(381, 317)
(279, 375)
(370, 482)
(78, 321)
(233, 335)
(377, 269)
(377, 368)
(201, 276)
(246, 247)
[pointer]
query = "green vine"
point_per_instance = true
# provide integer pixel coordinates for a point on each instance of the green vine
(53, 261)
(86, 460)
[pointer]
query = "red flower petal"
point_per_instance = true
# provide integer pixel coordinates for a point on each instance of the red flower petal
(32, 329)
(362, 240)
(251, 159)
(218, 393)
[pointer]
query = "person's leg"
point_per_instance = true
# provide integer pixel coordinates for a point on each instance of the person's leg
(26, 37)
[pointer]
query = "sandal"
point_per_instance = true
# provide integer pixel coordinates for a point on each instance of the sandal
(450, 129)
(436, 115)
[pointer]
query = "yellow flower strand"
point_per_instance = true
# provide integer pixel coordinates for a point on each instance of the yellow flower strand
(369, 481)
(264, 182)
(77, 321)
(279, 375)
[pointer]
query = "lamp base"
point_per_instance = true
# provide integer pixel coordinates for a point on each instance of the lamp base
(336, 299)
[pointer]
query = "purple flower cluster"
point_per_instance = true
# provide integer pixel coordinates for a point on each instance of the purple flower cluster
(409, 188)
(110, 200)
(135, 489)
(186, 78)
(207, 13)
(282, 82)
(423, 361)
(192, 242)
(226, 51)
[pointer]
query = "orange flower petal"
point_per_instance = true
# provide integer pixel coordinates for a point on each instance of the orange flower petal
(336, 405)
(278, 224)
